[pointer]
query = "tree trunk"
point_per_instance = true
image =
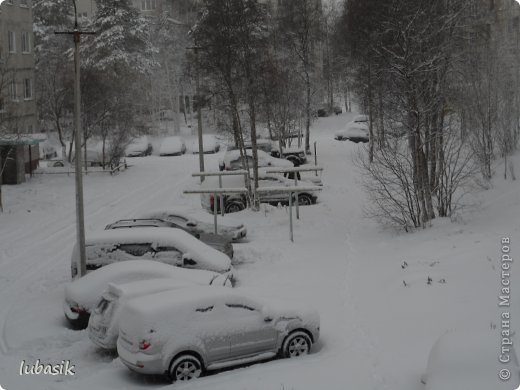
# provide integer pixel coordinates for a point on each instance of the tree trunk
(307, 113)
(370, 116)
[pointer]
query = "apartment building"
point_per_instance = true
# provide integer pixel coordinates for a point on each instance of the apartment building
(17, 101)
(87, 8)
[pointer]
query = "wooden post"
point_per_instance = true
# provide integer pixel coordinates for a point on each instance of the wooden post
(221, 197)
(215, 210)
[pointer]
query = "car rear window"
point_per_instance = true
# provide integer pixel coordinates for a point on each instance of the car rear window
(136, 249)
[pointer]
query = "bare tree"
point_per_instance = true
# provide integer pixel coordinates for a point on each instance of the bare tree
(300, 25)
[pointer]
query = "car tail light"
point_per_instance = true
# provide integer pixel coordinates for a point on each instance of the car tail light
(77, 309)
(144, 344)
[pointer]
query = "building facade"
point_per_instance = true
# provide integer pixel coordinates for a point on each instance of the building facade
(17, 100)
(87, 8)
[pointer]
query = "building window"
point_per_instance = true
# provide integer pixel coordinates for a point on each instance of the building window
(148, 5)
(12, 41)
(26, 43)
(13, 93)
(27, 89)
(23, 3)
(2, 104)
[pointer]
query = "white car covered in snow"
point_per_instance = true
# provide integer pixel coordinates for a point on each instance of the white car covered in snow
(237, 202)
(139, 147)
(210, 144)
(210, 328)
(83, 294)
(232, 160)
(166, 245)
(197, 225)
(355, 131)
(103, 326)
(473, 361)
(172, 146)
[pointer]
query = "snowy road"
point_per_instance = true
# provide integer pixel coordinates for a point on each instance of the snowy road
(341, 263)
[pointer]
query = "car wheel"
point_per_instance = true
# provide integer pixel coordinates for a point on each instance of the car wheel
(235, 207)
(185, 368)
(58, 164)
(296, 344)
(304, 200)
(294, 161)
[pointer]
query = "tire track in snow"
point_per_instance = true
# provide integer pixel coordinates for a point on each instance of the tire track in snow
(340, 215)
(24, 271)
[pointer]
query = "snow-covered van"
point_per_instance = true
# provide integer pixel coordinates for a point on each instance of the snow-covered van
(103, 325)
(83, 294)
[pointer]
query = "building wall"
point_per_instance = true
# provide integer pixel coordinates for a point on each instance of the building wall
(17, 67)
(87, 8)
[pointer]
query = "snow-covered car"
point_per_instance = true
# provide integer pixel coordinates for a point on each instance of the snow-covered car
(261, 144)
(232, 160)
(355, 131)
(139, 147)
(471, 360)
(196, 225)
(82, 295)
(103, 326)
(210, 144)
(294, 154)
(237, 202)
(166, 245)
(172, 146)
(216, 241)
(210, 328)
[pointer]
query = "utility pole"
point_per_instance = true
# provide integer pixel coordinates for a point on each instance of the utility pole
(199, 112)
(80, 213)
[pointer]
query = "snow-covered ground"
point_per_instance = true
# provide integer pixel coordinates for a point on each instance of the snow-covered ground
(379, 316)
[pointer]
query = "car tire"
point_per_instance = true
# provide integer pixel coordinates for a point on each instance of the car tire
(296, 344)
(234, 207)
(294, 160)
(185, 368)
(304, 200)
(58, 164)
(79, 323)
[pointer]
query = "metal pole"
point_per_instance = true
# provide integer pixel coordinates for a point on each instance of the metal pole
(80, 215)
(297, 200)
(315, 158)
(199, 118)
(215, 211)
(290, 216)
(221, 197)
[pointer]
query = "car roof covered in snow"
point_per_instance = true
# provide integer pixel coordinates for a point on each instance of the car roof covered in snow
(171, 144)
(87, 290)
(164, 236)
(148, 286)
